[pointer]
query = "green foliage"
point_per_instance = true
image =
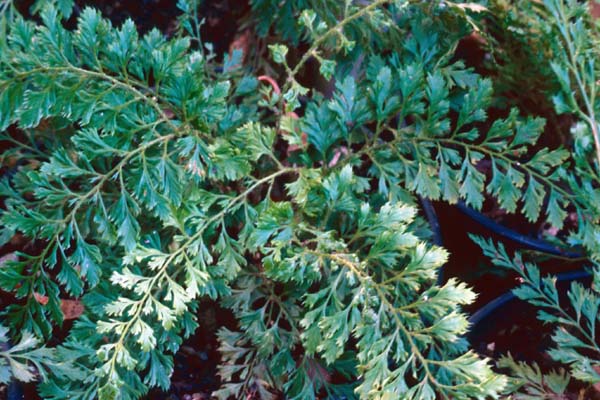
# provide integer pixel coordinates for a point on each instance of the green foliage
(519, 43)
(529, 383)
(158, 177)
(575, 334)
(373, 286)
(27, 358)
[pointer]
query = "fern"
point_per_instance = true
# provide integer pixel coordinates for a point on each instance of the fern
(27, 358)
(530, 383)
(575, 334)
(161, 177)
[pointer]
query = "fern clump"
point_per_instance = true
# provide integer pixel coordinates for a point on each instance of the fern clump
(158, 177)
